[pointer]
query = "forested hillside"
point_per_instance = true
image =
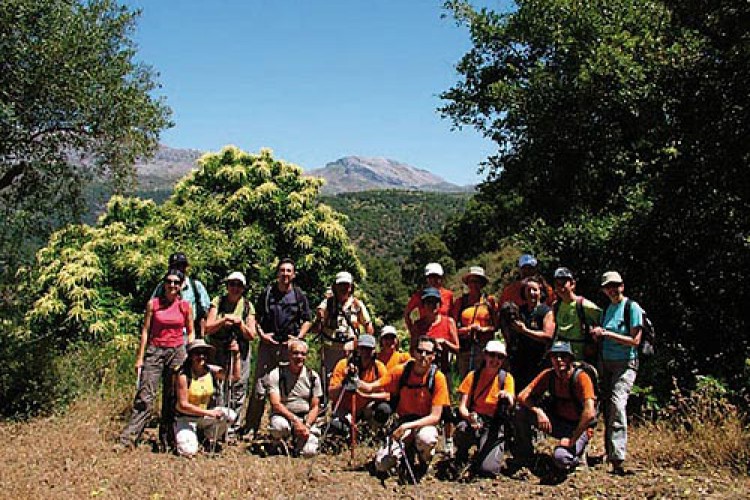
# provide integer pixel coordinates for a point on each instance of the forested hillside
(384, 223)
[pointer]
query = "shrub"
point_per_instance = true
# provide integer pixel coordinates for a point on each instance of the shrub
(701, 428)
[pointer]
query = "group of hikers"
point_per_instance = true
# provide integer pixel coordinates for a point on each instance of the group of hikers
(540, 360)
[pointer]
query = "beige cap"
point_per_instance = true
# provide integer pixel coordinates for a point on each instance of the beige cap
(611, 277)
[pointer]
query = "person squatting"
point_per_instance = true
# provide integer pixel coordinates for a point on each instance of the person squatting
(542, 360)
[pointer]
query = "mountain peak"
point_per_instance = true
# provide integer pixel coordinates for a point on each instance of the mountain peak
(360, 173)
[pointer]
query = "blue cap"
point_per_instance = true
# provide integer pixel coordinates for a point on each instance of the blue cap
(527, 260)
(563, 273)
(561, 347)
(366, 340)
(431, 292)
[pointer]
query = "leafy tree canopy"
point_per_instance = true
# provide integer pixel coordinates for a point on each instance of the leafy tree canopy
(622, 144)
(424, 249)
(237, 211)
(73, 102)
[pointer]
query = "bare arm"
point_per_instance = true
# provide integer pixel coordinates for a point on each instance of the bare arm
(587, 416)
(190, 324)
(186, 407)
(249, 327)
(544, 335)
(453, 342)
(633, 340)
(304, 329)
(213, 322)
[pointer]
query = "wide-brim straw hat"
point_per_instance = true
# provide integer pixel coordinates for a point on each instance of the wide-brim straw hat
(475, 271)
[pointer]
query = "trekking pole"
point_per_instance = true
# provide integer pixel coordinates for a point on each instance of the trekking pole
(325, 431)
(229, 398)
(353, 442)
(406, 461)
(472, 351)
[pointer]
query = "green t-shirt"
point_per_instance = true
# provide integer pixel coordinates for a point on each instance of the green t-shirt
(226, 308)
(569, 326)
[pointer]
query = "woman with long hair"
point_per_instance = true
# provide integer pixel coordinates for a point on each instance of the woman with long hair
(160, 353)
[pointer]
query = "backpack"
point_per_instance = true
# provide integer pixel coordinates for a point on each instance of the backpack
(588, 340)
(646, 346)
(578, 368)
(284, 382)
(200, 313)
(501, 373)
(403, 381)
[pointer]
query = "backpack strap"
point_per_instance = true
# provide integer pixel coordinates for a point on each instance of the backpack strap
(475, 383)
(245, 309)
(199, 311)
(627, 314)
(283, 382)
(283, 388)
(404, 379)
(581, 312)
(298, 301)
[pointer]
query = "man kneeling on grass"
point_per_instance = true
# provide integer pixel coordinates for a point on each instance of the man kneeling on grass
(569, 416)
(420, 391)
(295, 392)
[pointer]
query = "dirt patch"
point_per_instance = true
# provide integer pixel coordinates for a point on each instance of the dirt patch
(71, 456)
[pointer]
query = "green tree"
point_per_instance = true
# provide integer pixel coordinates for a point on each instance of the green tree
(237, 211)
(74, 103)
(424, 249)
(386, 292)
(621, 129)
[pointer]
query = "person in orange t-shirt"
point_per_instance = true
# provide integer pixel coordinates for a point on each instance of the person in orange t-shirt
(389, 354)
(475, 314)
(483, 409)
(569, 418)
(421, 399)
(374, 408)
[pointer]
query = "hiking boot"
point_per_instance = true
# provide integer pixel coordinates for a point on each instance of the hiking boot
(449, 450)
(388, 463)
(618, 469)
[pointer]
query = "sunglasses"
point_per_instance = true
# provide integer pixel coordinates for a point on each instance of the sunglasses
(235, 283)
(424, 352)
(494, 355)
(173, 282)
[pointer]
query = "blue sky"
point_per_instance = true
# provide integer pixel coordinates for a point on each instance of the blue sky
(313, 80)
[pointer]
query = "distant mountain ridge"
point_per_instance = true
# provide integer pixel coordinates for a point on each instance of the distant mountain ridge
(165, 168)
(357, 173)
(345, 175)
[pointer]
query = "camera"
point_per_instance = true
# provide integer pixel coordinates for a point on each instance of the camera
(342, 334)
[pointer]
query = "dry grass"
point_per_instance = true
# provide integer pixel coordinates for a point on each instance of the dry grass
(70, 457)
(701, 430)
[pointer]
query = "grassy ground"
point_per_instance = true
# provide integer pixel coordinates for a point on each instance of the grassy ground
(71, 456)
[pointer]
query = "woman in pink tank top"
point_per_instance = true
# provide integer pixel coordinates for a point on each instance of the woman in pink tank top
(160, 353)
